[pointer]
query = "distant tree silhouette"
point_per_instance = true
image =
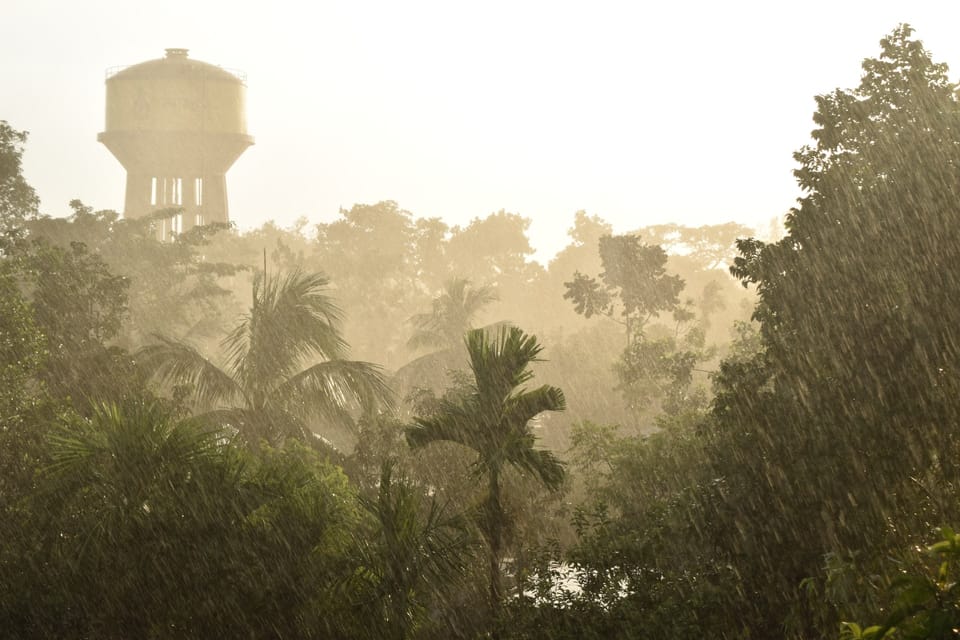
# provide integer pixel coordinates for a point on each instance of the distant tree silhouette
(452, 315)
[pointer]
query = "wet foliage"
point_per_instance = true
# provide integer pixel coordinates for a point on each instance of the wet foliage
(303, 433)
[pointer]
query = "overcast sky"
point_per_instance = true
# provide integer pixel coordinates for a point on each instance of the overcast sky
(640, 112)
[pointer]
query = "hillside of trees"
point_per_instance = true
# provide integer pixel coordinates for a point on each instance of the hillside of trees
(385, 426)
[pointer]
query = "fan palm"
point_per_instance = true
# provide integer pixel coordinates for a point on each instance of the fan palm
(493, 418)
(452, 314)
(269, 388)
(153, 524)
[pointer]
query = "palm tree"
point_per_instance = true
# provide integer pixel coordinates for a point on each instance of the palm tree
(132, 453)
(452, 314)
(269, 388)
(148, 515)
(415, 552)
(134, 477)
(492, 417)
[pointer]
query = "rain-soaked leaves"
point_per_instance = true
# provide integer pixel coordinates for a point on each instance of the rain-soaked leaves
(186, 492)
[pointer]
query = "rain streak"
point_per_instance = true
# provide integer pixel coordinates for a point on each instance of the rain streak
(389, 426)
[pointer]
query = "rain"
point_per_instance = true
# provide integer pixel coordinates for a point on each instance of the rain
(387, 422)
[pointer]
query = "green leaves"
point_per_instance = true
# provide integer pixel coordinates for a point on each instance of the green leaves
(852, 631)
(274, 387)
(926, 606)
(18, 200)
(148, 525)
(131, 451)
(417, 548)
(492, 418)
(831, 438)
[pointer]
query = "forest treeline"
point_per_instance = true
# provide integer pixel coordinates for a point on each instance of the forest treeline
(385, 426)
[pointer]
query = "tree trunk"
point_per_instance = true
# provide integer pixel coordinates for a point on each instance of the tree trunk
(495, 533)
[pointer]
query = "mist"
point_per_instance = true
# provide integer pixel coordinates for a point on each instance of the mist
(387, 423)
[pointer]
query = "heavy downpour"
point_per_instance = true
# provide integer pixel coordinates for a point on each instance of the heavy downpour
(513, 322)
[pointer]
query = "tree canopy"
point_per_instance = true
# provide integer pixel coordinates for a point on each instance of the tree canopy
(852, 401)
(286, 375)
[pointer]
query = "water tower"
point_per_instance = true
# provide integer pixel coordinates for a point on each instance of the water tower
(176, 125)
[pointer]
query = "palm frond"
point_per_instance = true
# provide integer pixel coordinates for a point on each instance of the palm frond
(292, 319)
(236, 346)
(176, 362)
(128, 446)
(76, 451)
(540, 462)
(522, 407)
(454, 422)
(476, 298)
(452, 314)
(427, 332)
(332, 389)
(414, 551)
(501, 361)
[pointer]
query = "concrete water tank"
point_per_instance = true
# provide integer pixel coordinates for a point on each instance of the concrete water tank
(176, 125)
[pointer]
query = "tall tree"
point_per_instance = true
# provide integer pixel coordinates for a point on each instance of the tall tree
(22, 360)
(848, 416)
(370, 252)
(633, 289)
(285, 365)
(491, 249)
(174, 286)
(634, 286)
(492, 417)
(18, 200)
(78, 305)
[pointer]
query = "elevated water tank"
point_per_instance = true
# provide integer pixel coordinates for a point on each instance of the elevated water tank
(176, 125)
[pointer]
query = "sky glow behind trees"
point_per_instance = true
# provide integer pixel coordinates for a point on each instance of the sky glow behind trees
(687, 113)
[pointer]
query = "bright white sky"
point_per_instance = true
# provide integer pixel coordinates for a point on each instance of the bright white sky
(640, 112)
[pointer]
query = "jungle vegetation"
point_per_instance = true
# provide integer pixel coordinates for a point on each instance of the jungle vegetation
(383, 426)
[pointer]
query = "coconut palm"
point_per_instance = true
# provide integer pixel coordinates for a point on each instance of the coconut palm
(492, 417)
(285, 365)
(451, 316)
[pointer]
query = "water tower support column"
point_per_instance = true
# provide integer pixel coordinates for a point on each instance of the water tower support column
(215, 199)
(137, 201)
(189, 204)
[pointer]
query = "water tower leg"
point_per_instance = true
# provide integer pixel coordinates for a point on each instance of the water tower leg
(189, 204)
(215, 198)
(137, 202)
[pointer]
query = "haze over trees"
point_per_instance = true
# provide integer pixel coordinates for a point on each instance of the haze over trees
(385, 426)
(286, 369)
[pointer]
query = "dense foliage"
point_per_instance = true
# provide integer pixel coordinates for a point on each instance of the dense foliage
(700, 475)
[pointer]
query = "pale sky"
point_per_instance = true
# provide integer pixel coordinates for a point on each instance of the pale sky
(642, 113)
